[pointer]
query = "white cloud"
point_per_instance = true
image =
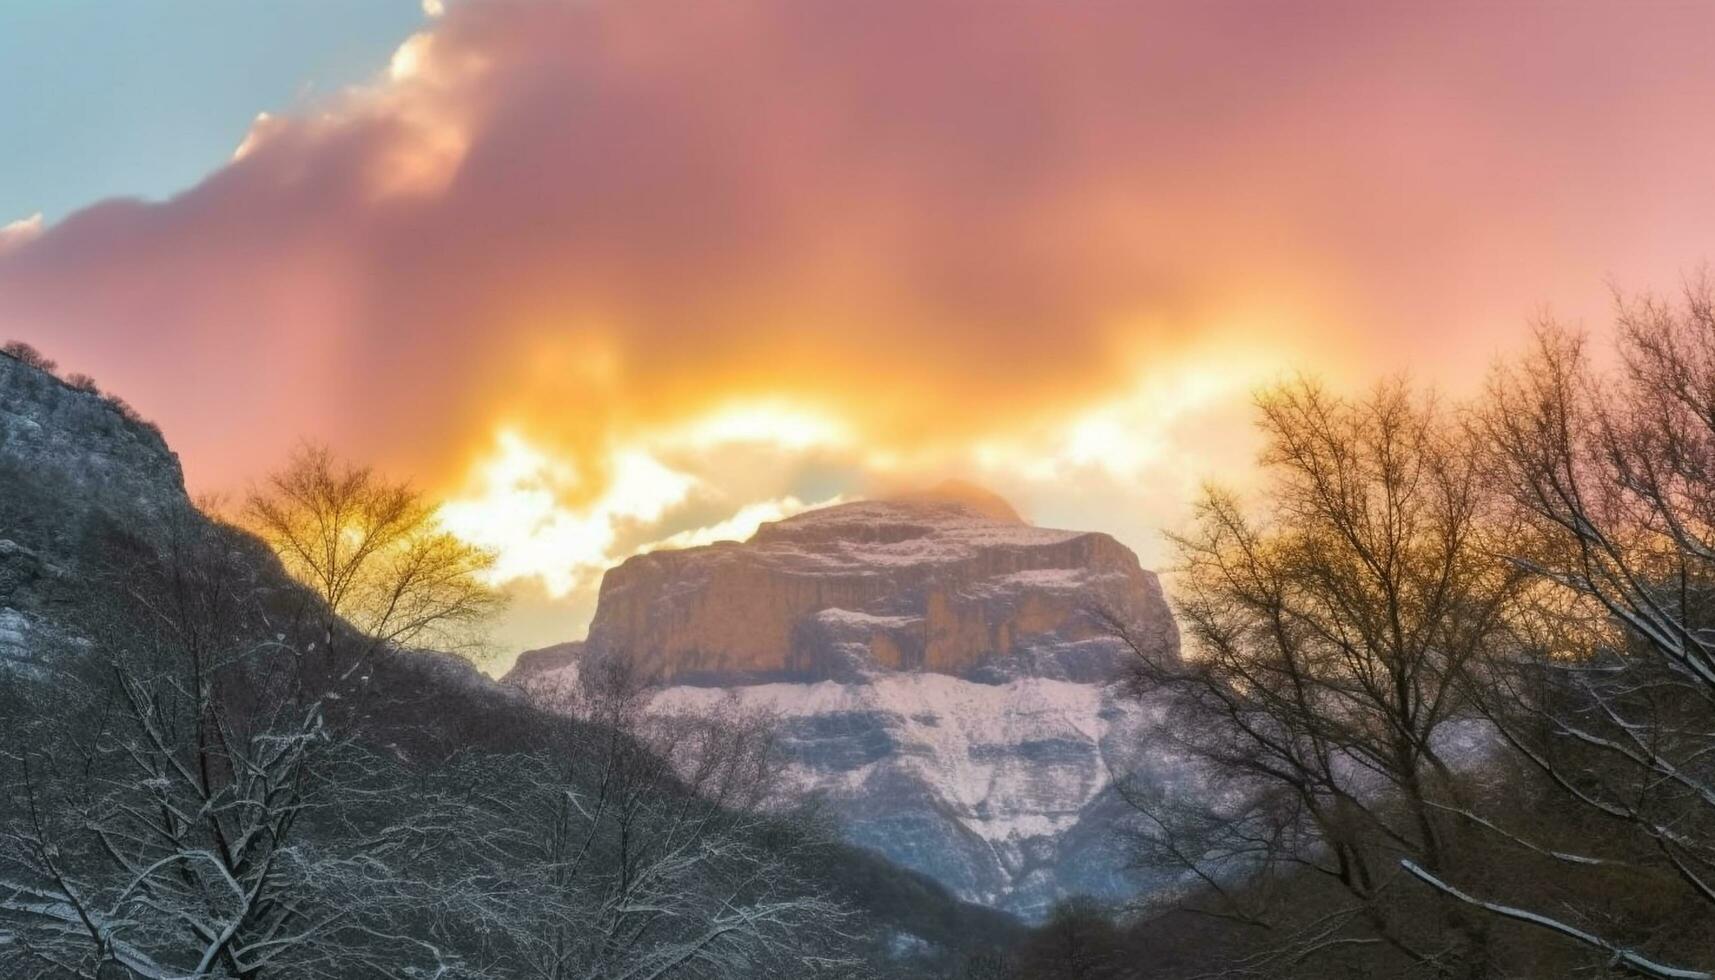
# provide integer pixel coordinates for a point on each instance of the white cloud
(407, 60)
(258, 131)
(16, 233)
(741, 525)
(518, 509)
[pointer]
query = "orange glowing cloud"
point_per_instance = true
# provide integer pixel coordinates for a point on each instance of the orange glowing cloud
(613, 273)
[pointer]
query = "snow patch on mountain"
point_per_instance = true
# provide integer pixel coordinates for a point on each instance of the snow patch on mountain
(997, 790)
(937, 669)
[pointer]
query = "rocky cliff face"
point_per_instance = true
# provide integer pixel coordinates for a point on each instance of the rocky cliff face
(950, 581)
(86, 439)
(65, 454)
(939, 670)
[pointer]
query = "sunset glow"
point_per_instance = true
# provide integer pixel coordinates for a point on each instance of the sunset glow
(517, 510)
(603, 275)
(853, 489)
(558, 526)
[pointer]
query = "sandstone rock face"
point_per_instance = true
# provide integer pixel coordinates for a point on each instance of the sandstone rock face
(947, 581)
(938, 669)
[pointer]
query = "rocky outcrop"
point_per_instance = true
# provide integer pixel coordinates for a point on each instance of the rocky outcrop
(66, 454)
(86, 439)
(950, 581)
(937, 669)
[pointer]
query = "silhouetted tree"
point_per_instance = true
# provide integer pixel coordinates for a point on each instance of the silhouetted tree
(1611, 697)
(1328, 633)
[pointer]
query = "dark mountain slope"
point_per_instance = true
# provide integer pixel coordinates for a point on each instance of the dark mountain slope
(88, 494)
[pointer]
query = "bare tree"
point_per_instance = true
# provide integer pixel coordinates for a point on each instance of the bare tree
(652, 847)
(1611, 696)
(1078, 942)
(1328, 638)
(172, 812)
(374, 553)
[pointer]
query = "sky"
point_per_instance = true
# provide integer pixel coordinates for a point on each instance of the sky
(605, 276)
(106, 99)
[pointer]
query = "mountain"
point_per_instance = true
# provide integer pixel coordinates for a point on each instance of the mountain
(92, 441)
(86, 486)
(66, 453)
(950, 581)
(941, 671)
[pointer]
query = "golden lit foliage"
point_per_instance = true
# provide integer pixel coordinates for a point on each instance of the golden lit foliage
(373, 551)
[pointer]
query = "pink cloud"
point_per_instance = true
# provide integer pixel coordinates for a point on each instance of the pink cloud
(937, 218)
